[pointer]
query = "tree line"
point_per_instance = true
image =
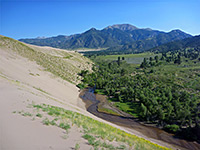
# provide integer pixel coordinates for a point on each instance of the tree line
(156, 100)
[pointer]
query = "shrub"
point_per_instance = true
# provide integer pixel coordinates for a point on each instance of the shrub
(81, 86)
(77, 146)
(64, 126)
(39, 115)
(172, 128)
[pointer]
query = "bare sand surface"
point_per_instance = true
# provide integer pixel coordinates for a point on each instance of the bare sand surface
(22, 133)
(20, 86)
(89, 50)
(23, 82)
(29, 73)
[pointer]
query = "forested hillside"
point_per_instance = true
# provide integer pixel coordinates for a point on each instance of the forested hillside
(122, 37)
(192, 42)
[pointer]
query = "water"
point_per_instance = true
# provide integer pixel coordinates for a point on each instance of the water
(92, 100)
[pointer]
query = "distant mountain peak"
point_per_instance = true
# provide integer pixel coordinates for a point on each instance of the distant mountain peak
(176, 30)
(123, 27)
(179, 32)
(41, 37)
(149, 29)
(92, 29)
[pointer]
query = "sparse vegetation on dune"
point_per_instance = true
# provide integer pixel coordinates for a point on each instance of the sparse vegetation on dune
(64, 64)
(98, 134)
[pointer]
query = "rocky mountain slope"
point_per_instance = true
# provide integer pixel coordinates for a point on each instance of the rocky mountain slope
(117, 37)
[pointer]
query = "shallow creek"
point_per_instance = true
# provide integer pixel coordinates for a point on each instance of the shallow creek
(92, 100)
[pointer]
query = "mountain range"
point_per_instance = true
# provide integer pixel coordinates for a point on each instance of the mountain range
(191, 43)
(118, 37)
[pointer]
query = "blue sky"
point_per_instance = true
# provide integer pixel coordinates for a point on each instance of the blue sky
(33, 18)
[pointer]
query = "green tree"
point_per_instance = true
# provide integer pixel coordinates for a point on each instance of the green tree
(118, 61)
(143, 111)
(156, 58)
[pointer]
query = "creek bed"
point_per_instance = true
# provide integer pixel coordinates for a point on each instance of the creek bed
(92, 100)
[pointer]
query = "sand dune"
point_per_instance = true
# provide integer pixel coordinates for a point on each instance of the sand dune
(23, 82)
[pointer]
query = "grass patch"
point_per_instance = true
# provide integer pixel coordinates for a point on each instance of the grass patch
(26, 114)
(64, 126)
(121, 147)
(129, 58)
(39, 115)
(77, 146)
(39, 89)
(91, 140)
(129, 107)
(31, 74)
(67, 57)
(47, 122)
(100, 91)
(106, 110)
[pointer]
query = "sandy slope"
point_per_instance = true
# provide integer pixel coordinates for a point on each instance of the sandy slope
(19, 86)
(21, 133)
(23, 82)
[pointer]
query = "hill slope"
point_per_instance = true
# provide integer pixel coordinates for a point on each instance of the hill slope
(116, 37)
